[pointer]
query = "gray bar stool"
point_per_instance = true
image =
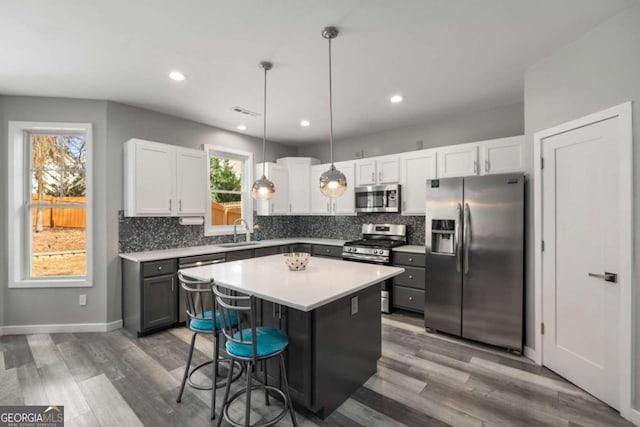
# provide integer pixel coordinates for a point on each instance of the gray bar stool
(250, 345)
(200, 320)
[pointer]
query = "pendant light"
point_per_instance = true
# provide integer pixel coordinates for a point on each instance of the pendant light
(263, 188)
(333, 183)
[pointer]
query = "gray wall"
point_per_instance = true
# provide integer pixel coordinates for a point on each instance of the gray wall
(595, 72)
(113, 124)
(492, 123)
(125, 122)
(59, 305)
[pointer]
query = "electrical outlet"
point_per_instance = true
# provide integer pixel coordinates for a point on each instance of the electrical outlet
(359, 154)
(354, 305)
(82, 299)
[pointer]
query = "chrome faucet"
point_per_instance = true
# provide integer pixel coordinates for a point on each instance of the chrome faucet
(235, 230)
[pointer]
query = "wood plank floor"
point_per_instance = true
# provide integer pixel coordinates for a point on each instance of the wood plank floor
(422, 380)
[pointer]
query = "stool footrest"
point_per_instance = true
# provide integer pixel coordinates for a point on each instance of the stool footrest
(239, 393)
(223, 379)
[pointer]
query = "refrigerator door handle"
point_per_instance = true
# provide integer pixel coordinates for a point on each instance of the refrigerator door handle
(466, 237)
(458, 238)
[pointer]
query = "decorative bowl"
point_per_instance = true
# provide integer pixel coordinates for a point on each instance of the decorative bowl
(297, 261)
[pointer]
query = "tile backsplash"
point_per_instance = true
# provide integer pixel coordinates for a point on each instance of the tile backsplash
(138, 234)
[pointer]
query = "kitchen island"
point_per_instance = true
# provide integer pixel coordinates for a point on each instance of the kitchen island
(331, 313)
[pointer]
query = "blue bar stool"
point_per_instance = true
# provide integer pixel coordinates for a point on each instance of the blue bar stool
(250, 345)
(200, 315)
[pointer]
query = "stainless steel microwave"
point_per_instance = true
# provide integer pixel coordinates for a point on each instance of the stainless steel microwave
(378, 198)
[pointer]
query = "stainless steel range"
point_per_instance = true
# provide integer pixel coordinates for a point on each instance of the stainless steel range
(375, 247)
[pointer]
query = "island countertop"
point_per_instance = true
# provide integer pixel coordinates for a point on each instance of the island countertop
(323, 281)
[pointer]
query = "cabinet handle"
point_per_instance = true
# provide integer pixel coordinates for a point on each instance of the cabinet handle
(279, 311)
(379, 176)
(328, 207)
(410, 298)
(271, 206)
(486, 165)
(410, 277)
(410, 259)
(328, 250)
(172, 286)
(289, 207)
(475, 166)
(404, 205)
(273, 308)
(373, 177)
(334, 207)
(160, 268)
(179, 205)
(169, 204)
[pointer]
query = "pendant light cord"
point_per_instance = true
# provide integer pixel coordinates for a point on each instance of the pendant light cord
(330, 107)
(264, 124)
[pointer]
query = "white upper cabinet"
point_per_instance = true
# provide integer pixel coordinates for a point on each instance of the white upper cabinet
(416, 168)
(320, 205)
(279, 203)
(299, 177)
(343, 205)
(346, 204)
(191, 175)
(504, 155)
(458, 160)
(377, 170)
(366, 172)
(163, 180)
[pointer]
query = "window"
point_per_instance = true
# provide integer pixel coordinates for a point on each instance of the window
(230, 180)
(49, 202)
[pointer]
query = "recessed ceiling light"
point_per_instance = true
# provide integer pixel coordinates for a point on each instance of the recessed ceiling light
(396, 98)
(177, 76)
(304, 123)
(241, 127)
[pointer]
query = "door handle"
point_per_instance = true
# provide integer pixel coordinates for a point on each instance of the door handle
(466, 237)
(607, 277)
(458, 238)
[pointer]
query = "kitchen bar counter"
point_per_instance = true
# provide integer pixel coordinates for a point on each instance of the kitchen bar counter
(330, 312)
(323, 281)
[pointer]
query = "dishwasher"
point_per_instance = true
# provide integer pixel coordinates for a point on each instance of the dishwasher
(194, 261)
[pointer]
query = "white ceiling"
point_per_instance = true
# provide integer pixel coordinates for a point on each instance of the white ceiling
(446, 57)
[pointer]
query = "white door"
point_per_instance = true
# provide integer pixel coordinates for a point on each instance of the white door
(320, 205)
(192, 180)
(581, 230)
(346, 204)
(388, 170)
(458, 160)
(365, 172)
(504, 155)
(415, 168)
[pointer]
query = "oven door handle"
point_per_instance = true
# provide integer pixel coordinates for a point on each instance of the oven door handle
(372, 258)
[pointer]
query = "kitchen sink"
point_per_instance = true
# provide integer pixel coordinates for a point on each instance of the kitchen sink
(237, 244)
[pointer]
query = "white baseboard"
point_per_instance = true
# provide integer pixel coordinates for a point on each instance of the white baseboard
(65, 327)
(635, 417)
(531, 354)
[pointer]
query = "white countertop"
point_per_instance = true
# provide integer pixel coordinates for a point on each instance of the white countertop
(323, 281)
(214, 249)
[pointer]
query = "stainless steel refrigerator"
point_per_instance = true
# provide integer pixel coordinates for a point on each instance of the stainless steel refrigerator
(475, 258)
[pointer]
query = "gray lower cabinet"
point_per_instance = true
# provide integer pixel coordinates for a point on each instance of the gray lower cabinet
(271, 250)
(149, 295)
(238, 255)
(322, 368)
(408, 287)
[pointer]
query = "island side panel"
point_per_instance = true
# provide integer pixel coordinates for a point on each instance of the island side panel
(347, 347)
